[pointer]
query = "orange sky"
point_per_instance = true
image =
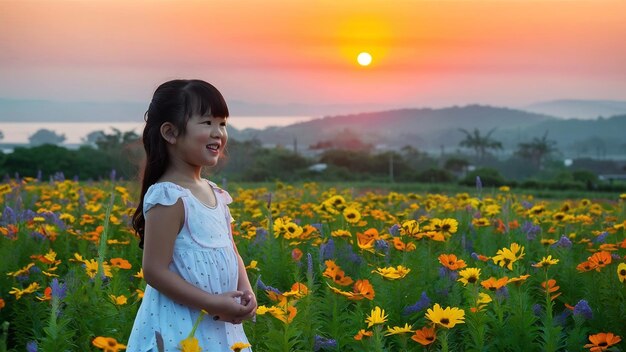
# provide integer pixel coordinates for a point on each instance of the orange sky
(426, 53)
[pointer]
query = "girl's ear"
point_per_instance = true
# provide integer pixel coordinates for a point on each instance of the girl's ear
(169, 132)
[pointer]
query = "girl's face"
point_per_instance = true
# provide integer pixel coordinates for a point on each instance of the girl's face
(204, 140)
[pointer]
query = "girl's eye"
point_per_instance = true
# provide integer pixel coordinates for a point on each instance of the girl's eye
(223, 124)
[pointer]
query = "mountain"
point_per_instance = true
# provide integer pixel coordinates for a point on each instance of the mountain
(580, 109)
(423, 128)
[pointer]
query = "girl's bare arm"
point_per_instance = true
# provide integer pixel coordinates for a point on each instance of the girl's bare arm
(162, 226)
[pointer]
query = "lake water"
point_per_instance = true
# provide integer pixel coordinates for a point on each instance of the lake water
(75, 132)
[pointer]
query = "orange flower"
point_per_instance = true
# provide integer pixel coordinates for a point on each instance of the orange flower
(2, 304)
(108, 344)
(335, 273)
(602, 341)
(600, 259)
(585, 266)
(451, 262)
(550, 287)
(366, 239)
(425, 336)
(362, 333)
(364, 289)
(296, 254)
(494, 284)
(120, 263)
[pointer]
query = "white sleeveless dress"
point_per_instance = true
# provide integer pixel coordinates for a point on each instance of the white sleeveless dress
(203, 256)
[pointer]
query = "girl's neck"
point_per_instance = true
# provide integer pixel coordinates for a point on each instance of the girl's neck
(186, 178)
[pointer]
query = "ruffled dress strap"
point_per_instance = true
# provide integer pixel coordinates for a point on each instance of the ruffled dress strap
(224, 200)
(164, 193)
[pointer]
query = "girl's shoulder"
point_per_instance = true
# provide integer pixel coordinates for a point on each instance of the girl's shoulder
(219, 192)
(164, 193)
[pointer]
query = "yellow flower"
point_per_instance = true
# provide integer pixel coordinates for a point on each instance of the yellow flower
(108, 344)
(351, 215)
(508, 256)
(118, 300)
(447, 318)
(621, 272)
(190, 344)
(469, 276)
(392, 273)
(546, 261)
(399, 330)
(238, 346)
(91, 266)
(377, 316)
(19, 293)
(253, 265)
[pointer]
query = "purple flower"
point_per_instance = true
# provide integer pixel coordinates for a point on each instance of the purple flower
(601, 237)
(31, 346)
(113, 175)
(8, 216)
(447, 273)
(479, 184)
(561, 319)
(327, 250)
(563, 242)
(309, 265)
(422, 303)
(264, 287)
(537, 310)
(582, 309)
(502, 293)
(58, 289)
(531, 230)
(323, 342)
(395, 230)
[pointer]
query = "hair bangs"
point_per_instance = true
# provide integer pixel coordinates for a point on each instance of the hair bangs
(205, 100)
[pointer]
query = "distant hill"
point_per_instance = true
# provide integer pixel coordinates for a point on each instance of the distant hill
(579, 109)
(424, 128)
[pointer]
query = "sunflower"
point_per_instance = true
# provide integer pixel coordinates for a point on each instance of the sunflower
(410, 228)
(621, 272)
(377, 316)
(425, 336)
(602, 341)
(351, 215)
(469, 276)
(447, 318)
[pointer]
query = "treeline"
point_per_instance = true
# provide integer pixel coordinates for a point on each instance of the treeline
(120, 155)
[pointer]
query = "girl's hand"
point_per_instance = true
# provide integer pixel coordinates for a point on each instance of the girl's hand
(248, 299)
(227, 307)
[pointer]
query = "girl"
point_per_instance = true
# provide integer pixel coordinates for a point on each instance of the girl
(190, 261)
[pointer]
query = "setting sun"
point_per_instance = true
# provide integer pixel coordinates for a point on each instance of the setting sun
(364, 59)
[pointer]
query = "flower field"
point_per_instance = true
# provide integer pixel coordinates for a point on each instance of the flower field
(334, 269)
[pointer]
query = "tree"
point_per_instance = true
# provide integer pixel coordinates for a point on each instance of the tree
(537, 150)
(480, 144)
(44, 136)
(1, 135)
(114, 141)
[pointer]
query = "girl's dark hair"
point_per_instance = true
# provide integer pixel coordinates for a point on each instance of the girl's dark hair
(174, 102)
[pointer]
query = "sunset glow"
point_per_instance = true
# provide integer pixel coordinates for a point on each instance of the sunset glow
(364, 59)
(426, 53)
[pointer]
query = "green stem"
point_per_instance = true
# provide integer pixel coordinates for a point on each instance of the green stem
(444, 341)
